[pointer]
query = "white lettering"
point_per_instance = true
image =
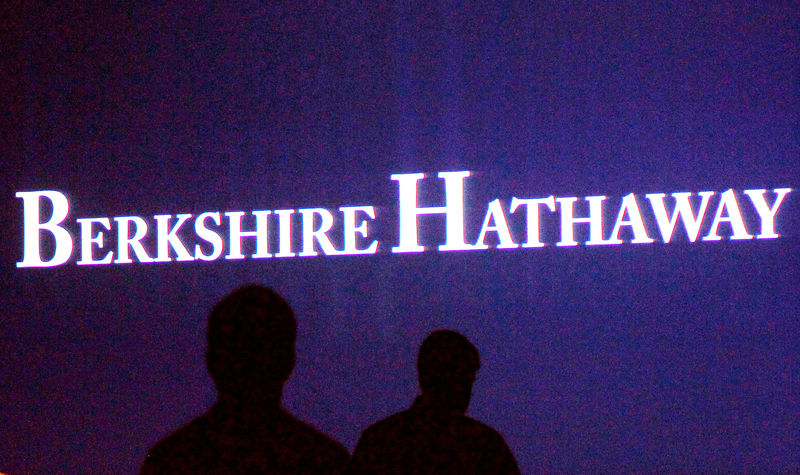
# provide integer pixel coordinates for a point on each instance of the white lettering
(285, 233)
(309, 233)
(453, 210)
(595, 221)
(630, 206)
(208, 235)
(683, 209)
(169, 238)
(728, 204)
(32, 228)
(350, 229)
(124, 241)
(236, 235)
(495, 213)
(87, 240)
(532, 217)
(766, 213)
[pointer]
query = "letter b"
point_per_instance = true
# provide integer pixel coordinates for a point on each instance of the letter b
(32, 228)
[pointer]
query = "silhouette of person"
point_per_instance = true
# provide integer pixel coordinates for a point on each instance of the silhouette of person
(250, 354)
(434, 435)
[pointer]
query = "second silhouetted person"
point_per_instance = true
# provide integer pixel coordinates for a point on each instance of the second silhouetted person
(434, 435)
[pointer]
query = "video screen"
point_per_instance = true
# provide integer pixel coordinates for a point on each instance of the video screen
(601, 198)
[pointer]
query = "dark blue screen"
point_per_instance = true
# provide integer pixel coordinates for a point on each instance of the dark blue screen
(679, 356)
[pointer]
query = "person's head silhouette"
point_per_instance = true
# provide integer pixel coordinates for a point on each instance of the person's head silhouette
(447, 365)
(435, 435)
(251, 337)
(250, 355)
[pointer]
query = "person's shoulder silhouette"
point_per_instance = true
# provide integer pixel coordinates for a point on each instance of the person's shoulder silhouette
(434, 435)
(250, 355)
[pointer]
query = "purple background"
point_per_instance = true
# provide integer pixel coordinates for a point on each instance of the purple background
(676, 357)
